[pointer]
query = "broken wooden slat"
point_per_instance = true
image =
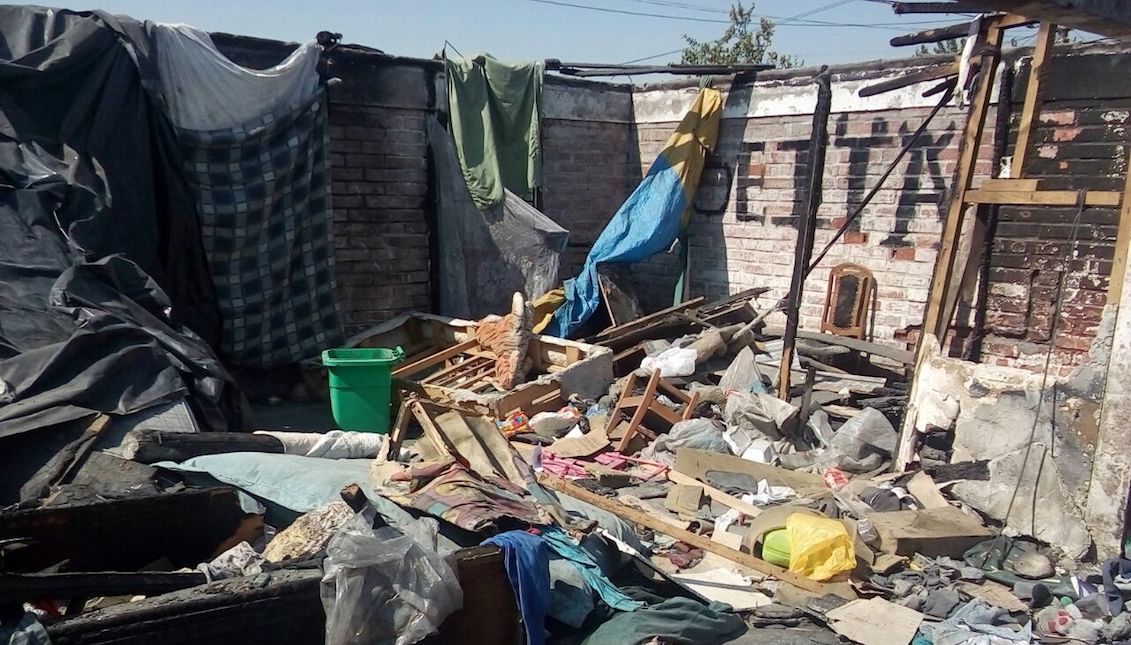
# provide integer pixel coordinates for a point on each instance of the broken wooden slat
(416, 367)
(620, 330)
(25, 587)
(649, 520)
(893, 353)
(1108, 198)
(124, 534)
(150, 446)
(1122, 240)
(719, 496)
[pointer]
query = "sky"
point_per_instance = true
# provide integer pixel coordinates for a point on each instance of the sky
(539, 29)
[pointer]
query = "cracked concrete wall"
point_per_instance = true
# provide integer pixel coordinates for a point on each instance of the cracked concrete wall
(1047, 491)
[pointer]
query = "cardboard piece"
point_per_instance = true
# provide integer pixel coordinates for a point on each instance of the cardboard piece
(684, 500)
(587, 444)
(994, 593)
(725, 585)
(924, 489)
(875, 622)
(931, 532)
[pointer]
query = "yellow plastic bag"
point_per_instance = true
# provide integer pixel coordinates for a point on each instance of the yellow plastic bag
(819, 548)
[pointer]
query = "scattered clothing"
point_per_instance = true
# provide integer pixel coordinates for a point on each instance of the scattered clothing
(675, 620)
(527, 561)
(453, 493)
(564, 547)
(496, 109)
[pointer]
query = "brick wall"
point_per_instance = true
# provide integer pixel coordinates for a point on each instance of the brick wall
(379, 174)
(589, 159)
(745, 227)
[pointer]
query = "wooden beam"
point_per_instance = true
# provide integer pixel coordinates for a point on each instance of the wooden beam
(653, 522)
(866, 347)
(124, 534)
(1122, 240)
(620, 330)
(942, 71)
(15, 587)
(150, 446)
(1031, 108)
(936, 319)
(995, 185)
(1108, 198)
(410, 369)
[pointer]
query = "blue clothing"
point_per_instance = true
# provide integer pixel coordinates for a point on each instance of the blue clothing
(527, 561)
(563, 546)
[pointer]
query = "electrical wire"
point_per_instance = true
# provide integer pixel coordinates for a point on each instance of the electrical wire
(1081, 203)
(889, 26)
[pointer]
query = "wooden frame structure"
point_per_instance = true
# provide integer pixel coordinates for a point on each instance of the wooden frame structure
(1017, 189)
(646, 403)
(865, 290)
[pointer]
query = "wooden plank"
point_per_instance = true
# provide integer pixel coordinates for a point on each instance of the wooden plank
(714, 493)
(1109, 198)
(124, 534)
(935, 319)
(1122, 240)
(620, 330)
(1009, 184)
(410, 369)
(641, 411)
(40, 586)
(649, 520)
(1031, 107)
(150, 446)
(867, 347)
(455, 369)
(942, 71)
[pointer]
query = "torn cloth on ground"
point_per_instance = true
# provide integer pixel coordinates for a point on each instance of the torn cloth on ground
(495, 109)
(675, 620)
(486, 256)
(652, 216)
(453, 493)
(262, 191)
(564, 547)
(527, 561)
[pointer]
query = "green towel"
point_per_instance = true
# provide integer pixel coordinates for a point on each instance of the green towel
(495, 110)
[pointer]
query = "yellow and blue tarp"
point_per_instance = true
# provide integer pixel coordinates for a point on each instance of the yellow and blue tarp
(652, 216)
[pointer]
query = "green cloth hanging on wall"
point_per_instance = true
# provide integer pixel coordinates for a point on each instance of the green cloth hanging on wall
(495, 111)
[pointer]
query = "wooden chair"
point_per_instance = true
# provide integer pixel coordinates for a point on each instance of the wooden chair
(848, 301)
(644, 403)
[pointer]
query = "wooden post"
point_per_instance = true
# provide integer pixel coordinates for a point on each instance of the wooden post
(807, 228)
(936, 319)
(1122, 240)
(1031, 109)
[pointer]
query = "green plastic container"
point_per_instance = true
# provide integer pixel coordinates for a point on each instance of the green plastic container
(361, 386)
(775, 547)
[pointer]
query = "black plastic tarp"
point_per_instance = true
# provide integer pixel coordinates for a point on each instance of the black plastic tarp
(100, 260)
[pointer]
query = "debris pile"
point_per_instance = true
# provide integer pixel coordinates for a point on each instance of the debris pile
(656, 504)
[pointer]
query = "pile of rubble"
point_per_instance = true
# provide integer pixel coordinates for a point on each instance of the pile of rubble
(642, 487)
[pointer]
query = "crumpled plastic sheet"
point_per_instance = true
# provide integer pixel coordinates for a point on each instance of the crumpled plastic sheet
(384, 587)
(674, 361)
(701, 434)
(28, 631)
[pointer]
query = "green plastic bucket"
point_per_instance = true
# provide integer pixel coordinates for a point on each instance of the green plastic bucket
(775, 547)
(360, 386)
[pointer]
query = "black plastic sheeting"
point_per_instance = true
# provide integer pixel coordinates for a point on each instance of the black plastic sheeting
(102, 273)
